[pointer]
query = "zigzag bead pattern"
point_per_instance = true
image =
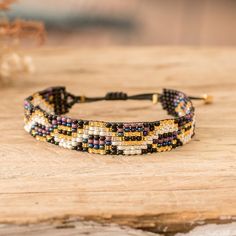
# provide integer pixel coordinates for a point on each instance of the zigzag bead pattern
(44, 120)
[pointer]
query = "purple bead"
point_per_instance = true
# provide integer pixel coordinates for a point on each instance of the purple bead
(68, 120)
(160, 141)
(54, 122)
(96, 142)
(102, 142)
(145, 133)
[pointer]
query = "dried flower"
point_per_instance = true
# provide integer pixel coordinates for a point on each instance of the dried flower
(5, 4)
(12, 62)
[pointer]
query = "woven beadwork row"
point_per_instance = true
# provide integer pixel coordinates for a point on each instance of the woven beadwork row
(44, 120)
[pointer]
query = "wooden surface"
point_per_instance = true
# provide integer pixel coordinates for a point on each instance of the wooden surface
(76, 227)
(164, 192)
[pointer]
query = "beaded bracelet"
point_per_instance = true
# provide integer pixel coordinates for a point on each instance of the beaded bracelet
(43, 121)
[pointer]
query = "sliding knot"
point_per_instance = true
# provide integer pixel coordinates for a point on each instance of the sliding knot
(116, 96)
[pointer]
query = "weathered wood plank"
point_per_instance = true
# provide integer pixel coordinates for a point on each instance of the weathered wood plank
(168, 191)
(69, 228)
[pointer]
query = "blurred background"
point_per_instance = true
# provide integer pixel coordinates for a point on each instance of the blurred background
(133, 22)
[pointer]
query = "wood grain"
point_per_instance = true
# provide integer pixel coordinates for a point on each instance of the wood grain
(169, 192)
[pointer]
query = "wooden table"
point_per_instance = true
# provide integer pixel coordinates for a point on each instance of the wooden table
(162, 193)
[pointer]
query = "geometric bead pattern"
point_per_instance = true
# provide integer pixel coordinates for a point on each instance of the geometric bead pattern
(45, 121)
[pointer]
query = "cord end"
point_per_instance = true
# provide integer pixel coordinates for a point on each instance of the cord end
(208, 99)
(155, 98)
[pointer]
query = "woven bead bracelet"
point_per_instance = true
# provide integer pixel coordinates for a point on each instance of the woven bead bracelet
(44, 121)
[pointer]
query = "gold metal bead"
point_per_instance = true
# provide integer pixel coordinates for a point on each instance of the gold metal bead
(155, 98)
(208, 99)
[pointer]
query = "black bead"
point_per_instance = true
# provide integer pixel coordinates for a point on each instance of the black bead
(139, 138)
(80, 123)
(108, 151)
(108, 125)
(133, 138)
(165, 135)
(113, 152)
(86, 122)
(120, 125)
(120, 152)
(114, 129)
(144, 151)
(154, 150)
(151, 127)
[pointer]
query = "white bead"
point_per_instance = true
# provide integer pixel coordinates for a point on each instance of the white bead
(132, 152)
(86, 131)
(126, 152)
(96, 132)
(64, 145)
(138, 151)
(74, 143)
(91, 132)
(27, 128)
(79, 139)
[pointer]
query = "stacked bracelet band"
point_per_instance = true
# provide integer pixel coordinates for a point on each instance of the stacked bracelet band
(44, 121)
